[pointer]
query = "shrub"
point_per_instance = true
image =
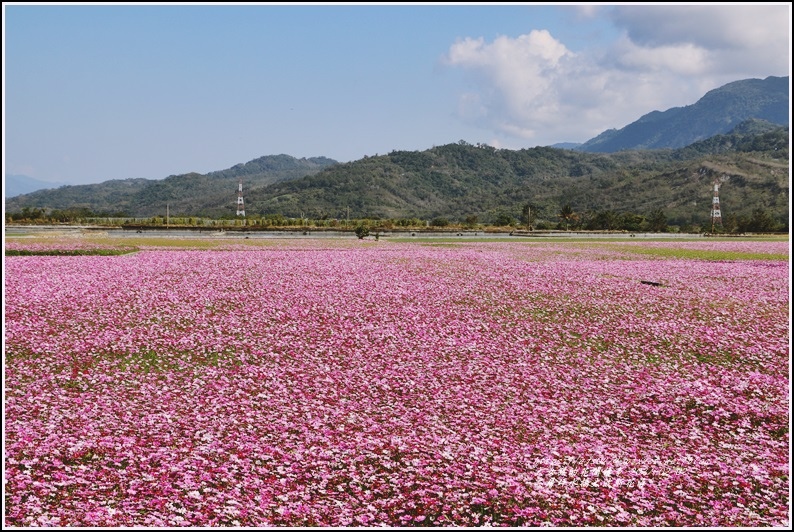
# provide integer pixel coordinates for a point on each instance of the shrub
(362, 230)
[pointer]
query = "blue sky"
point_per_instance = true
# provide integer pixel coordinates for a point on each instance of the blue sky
(99, 92)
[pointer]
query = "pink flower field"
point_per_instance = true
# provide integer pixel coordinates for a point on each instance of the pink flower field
(362, 383)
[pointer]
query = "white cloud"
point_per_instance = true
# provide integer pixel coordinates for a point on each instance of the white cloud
(708, 26)
(517, 78)
(732, 40)
(533, 88)
(682, 59)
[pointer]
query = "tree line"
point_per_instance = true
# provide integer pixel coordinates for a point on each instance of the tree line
(567, 219)
(71, 215)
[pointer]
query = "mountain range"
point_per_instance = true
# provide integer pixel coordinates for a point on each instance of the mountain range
(719, 111)
(664, 160)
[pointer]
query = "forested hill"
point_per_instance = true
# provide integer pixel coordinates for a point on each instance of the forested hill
(717, 112)
(459, 181)
(191, 193)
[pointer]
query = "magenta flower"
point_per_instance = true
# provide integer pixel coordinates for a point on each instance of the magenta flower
(334, 383)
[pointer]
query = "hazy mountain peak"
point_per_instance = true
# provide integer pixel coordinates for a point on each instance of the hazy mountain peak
(18, 184)
(717, 112)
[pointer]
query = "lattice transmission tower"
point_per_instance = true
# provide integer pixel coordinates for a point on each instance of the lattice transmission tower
(716, 215)
(240, 204)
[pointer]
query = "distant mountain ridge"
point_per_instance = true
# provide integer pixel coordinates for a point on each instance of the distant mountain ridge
(207, 194)
(16, 184)
(717, 112)
(460, 181)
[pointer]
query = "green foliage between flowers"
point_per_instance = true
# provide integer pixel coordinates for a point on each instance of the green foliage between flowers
(68, 252)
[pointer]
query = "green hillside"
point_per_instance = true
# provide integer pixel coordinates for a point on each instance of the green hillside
(460, 181)
(463, 183)
(212, 194)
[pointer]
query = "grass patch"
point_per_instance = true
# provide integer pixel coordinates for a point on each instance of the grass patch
(701, 254)
(11, 353)
(150, 361)
(68, 252)
(439, 240)
(176, 243)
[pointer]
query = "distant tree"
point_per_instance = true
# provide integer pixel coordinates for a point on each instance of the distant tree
(604, 221)
(630, 221)
(362, 230)
(471, 220)
(528, 215)
(566, 215)
(30, 214)
(503, 219)
(759, 222)
(657, 221)
(543, 225)
(409, 222)
(730, 223)
(439, 222)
